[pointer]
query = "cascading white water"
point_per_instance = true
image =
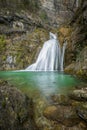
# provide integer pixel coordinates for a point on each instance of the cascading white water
(77, 3)
(62, 56)
(51, 57)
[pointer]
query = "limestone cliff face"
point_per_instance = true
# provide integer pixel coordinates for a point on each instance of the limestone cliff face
(41, 13)
(53, 12)
(59, 11)
(20, 20)
(19, 5)
(77, 50)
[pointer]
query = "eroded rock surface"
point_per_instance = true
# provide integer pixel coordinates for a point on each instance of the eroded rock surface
(68, 113)
(16, 109)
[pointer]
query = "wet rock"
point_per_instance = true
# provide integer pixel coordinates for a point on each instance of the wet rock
(60, 99)
(49, 111)
(79, 95)
(16, 110)
(82, 112)
(65, 115)
(77, 43)
(70, 68)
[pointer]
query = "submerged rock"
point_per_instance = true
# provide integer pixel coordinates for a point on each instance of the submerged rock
(16, 110)
(62, 114)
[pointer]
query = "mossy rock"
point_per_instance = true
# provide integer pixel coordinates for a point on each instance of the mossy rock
(82, 74)
(2, 44)
(16, 110)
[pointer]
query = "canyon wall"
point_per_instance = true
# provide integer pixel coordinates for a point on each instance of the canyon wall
(24, 26)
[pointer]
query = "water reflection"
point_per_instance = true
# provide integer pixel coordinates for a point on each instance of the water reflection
(44, 83)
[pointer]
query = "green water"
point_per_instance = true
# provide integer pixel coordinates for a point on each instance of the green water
(40, 83)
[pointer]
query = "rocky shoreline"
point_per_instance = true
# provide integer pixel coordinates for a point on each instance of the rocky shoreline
(22, 34)
(61, 112)
(68, 112)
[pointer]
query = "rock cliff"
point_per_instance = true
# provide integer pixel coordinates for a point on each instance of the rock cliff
(77, 48)
(24, 27)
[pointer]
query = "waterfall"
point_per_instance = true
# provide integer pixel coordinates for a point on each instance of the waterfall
(77, 3)
(51, 56)
(62, 55)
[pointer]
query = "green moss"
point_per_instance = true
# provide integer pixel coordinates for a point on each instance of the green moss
(31, 5)
(82, 74)
(43, 15)
(3, 103)
(3, 57)
(2, 44)
(21, 113)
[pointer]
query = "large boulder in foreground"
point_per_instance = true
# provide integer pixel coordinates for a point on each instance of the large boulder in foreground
(16, 110)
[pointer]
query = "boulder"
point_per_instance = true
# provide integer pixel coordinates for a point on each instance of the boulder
(16, 110)
(82, 112)
(79, 94)
(65, 115)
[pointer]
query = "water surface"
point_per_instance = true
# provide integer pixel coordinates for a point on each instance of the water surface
(42, 83)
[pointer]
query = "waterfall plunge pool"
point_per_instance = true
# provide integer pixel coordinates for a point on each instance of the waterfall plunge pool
(50, 59)
(40, 83)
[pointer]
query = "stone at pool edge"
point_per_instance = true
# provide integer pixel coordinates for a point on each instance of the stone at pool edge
(79, 94)
(82, 112)
(65, 115)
